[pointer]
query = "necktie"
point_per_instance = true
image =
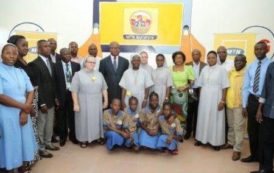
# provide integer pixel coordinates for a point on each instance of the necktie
(68, 74)
(48, 66)
(115, 63)
(257, 78)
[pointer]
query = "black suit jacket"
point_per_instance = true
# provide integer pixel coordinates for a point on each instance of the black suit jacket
(57, 58)
(45, 82)
(61, 80)
(197, 91)
(202, 65)
(113, 77)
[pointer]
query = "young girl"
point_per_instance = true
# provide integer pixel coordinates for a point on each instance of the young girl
(162, 79)
(114, 119)
(171, 130)
(149, 133)
(132, 123)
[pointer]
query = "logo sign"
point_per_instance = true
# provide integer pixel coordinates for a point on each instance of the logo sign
(140, 24)
(237, 43)
(233, 51)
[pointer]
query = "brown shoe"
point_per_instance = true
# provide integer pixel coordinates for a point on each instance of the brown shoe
(236, 156)
(227, 146)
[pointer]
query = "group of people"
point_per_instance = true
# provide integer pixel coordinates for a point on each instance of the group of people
(127, 103)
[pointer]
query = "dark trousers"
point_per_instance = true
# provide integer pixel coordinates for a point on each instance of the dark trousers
(66, 119)
(192, 114)
(253, 126)
(266, 144)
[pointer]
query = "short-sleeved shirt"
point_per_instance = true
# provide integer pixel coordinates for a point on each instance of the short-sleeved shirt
(181, 78)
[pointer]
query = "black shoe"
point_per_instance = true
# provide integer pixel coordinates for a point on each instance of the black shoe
(2, 170)
(74, 141)
(198, 143)
(187, 136)
(54, 139)
(52, 147)
(261, 171)
(101, 141)
(216, 148)
(45, 154)
(249, 159)
(63, 142)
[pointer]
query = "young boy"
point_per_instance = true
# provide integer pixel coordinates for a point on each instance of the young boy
(171, 130)
(113, 121)
(132, 124)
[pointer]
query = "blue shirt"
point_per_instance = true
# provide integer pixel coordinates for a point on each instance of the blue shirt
(267, 96)
(249, 79)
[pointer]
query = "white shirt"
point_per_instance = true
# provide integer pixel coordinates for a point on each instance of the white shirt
(68, 84)
(53, 57)
(147, 67)
(228, 65)
(45, 59)
(112, 60)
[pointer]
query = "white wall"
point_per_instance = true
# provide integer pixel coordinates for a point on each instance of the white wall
(229, 16)
(70, 19)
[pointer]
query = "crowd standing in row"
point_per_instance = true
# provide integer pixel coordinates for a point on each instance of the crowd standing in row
(128, 103)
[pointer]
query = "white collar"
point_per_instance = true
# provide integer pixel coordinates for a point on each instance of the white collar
(45, 59)
(69, 63)
(194, 64)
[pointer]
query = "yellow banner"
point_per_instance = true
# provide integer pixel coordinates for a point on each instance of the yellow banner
(32, 38)
(239, 43)
(141, 23)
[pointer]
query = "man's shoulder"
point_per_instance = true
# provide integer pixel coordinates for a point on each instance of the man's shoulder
(123, 59)
(36, 61)
(103, 60)
(189, 63)
(203, 63)
(271, 65)
(75, 64)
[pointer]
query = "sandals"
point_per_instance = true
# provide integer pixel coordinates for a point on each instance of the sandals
(174, 152)
(83, 145)
(24, 169)
(101, 141)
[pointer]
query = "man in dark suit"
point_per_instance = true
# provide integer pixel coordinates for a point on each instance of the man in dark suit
(65, 70)
(113, 68)
(54, 56)
(43, 68)
(193, 102)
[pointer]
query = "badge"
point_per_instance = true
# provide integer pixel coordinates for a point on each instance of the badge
(129, 93)
(119, 122)
(173, 125)
(93, 78)
(136, 116)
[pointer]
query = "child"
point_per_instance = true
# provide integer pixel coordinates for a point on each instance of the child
(171, 130)
(149, 123)
(113, 125)
(132, 123)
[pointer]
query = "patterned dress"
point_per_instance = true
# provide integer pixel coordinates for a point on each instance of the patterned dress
(33, 80)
